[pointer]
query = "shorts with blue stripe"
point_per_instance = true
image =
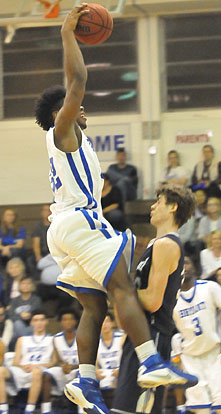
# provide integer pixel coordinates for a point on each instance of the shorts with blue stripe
(87, 249)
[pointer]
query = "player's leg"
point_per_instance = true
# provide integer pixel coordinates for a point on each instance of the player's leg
(46, 393)
(84, 391)
(153, 370)
(34, 391)
(4, 375)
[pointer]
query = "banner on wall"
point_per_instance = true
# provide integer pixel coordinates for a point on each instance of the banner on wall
(194, 137)
(107, 139)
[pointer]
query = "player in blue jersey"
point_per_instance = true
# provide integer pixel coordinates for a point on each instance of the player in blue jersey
(158, 278)
(94, 259)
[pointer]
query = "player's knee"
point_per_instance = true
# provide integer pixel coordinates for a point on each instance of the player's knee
(46, 378)
(3, 372)
(37, 374)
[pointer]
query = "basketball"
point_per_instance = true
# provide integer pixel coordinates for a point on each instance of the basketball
(94, 27)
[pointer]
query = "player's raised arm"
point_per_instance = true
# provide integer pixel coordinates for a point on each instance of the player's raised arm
(76, 75)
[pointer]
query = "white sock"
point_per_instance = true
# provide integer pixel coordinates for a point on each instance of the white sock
(4, 408)
(181, 409)
(45, 407)
(30, 408)
(145, 350)
(87, 371)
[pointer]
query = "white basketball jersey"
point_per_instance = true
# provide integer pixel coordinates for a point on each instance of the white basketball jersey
(36, 349)
(108, 358)
(195, 317)
(67, 352)
(75, 177)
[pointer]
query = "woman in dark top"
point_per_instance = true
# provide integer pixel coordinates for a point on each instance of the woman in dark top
(112, 205)
(12, 237)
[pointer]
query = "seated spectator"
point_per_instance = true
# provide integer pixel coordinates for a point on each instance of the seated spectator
(174, 173)
(15, 271)
(66, 368)
(108, 358)
(39, 235)
(6, 332)
(210, 258)
(12, 237)
(21, 308)
(218, 275)
(201, 204)
(124, 176)
(206, 171)
(212, 220)
(32, 355)
(112, 205)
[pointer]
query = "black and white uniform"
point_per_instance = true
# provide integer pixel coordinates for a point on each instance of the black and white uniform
(161, 325)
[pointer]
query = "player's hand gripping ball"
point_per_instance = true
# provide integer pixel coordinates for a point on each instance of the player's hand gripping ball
(95, 26)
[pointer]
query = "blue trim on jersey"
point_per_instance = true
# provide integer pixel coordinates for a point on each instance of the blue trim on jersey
(132, 250)
(194, 291)
(78, 178)
(116, 259)
(216, 407)
(38, 342)
(88, 173)
(59, 334)
(105, 233)
(80, 289)
(89, 219)
(199, 406)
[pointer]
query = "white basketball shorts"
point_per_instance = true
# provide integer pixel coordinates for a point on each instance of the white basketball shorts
(87, 249)
(60, 379)
(208, 390)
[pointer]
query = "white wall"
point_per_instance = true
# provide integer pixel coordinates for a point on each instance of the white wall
(23, 156)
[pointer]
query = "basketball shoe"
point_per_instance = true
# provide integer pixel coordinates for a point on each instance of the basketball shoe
(154, 371)
(85, 393)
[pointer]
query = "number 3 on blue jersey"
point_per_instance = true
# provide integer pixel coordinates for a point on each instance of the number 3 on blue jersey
(55, 181)
(198, 329)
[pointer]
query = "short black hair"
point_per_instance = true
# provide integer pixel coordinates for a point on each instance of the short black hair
(39, 312)
(121, 150)
(51, 100)
(68, 311)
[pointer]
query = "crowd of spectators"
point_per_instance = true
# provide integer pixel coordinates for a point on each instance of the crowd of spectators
(28, 276)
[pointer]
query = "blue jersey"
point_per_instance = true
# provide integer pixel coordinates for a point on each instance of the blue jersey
(162, 319)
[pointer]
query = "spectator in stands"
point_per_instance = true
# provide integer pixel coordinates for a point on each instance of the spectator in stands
(6, 332)
(174, 172)
(108, 358)
(66, 368)
(15, 271)
(206, 171)
(218, 275)
(32, 355)
(21, 308)
(112, 204)
(212, 220)
(39, 235)
(210, 258)
(201, 203)
(124, 176)
(12, 237)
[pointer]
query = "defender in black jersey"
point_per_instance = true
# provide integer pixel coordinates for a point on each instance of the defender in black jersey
(158, 280)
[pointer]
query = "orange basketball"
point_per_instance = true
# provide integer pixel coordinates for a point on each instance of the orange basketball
(95, 26)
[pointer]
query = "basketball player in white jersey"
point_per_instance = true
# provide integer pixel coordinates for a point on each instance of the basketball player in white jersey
(33, 354)
(94, 259)
(66, 369)
(195, 317)
(108, 358)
